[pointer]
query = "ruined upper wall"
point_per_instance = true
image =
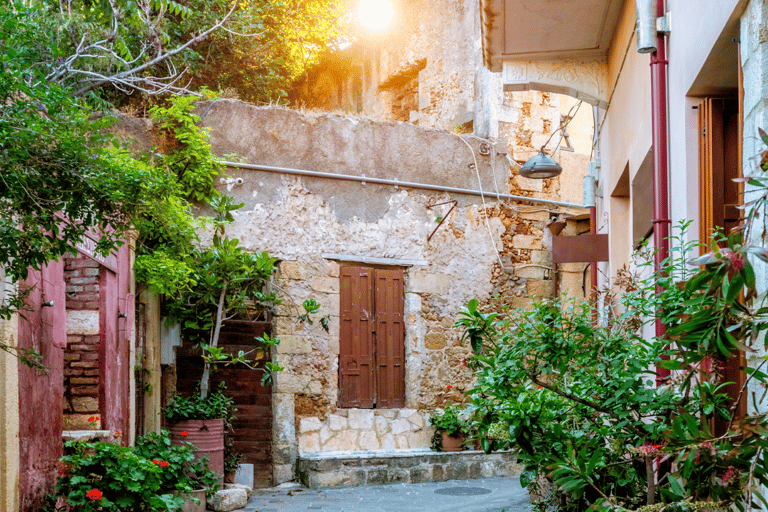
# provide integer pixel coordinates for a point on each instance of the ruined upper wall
(331, 143)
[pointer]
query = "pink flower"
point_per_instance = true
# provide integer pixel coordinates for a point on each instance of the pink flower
(731, 474)
(93, 495)
(737, 262)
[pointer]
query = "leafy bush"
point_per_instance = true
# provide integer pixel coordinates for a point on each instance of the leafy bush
(575, 384)
(448, 419)
(153, 475)
(195, 407)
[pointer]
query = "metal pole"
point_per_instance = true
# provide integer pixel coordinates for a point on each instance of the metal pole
(398, 183)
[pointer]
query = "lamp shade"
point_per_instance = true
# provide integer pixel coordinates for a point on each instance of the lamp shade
(541, 166)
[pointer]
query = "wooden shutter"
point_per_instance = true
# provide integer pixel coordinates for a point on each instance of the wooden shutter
(390, 339)
(356, 348)
(719, 164)
(719, 152)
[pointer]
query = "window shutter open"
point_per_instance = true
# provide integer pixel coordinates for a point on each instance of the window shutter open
(390, 339)
(356, 350)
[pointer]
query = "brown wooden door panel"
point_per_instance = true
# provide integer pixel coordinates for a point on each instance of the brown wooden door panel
(356, 344)
(390, 336)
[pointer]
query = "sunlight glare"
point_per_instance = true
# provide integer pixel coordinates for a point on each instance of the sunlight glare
(375, 14)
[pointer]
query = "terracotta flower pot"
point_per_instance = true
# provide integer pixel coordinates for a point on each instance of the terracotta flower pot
(208, 438)
(190, 506)
(452, 443)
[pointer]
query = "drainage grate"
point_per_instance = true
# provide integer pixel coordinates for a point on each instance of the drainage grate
(463, 491)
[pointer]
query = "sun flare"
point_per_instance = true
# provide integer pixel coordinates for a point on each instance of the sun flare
(375, 14)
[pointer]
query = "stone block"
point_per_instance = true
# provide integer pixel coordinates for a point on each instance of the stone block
(293, 270)
(376, 477)
(434, 341)
(294, 344)
(399, 426)
(380, 425)
(325, 284)
(424, 282)
(532, 185)
(541, 258)
(82, 322)
(332, 268)
(331, 305)
(361, 419)
(226, 500)
(526, 242)
(282, 473)
(287, 382)
(421, 474)
(529, 272)
(85, 404)
(247, 488)
(416, 420)
(325, 434)
(540, 288)
(309, 443)
(336, 422)
(368, 440)
(309, 425)
(535, 216)
(388, 442)
(283, 325)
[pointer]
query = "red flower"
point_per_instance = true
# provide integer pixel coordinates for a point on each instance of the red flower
(184, 433)
(538, 387)
(156, 462)
(163, 463)
(731, 475)
(91, 419)
(117, 433)
(449, 387)
(64, 469)
(93, 495)
(464, 362)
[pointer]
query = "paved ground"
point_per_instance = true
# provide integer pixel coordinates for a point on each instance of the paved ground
(482, 495)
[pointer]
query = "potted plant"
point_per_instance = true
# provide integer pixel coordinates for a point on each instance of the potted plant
(201, 421)
(451, 428)
(98, 476)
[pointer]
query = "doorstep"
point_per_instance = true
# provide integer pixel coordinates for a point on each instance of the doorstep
(378, 467)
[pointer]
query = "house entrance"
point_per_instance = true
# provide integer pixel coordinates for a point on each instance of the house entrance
(252, 426)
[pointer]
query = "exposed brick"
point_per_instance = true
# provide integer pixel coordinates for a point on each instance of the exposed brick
(90, 296)
(74, 289)
(91, 340)
(75, 304)
(71, 357)
(91, 288)
(73, 338)
(84, 364)
(91, 305)
(80, 348)
(85, 390)
(71, 273)
(91, 373)
(78, 381)
(91, 356)
(72, 372)
(82, 263)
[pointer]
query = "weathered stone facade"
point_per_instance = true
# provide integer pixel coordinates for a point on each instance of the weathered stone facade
(316, 225)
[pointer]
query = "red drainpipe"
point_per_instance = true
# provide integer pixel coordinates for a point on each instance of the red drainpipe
(661, 221)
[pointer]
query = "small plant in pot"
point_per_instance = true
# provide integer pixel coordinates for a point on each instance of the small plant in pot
(450, 428)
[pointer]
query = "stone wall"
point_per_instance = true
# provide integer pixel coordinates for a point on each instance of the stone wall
(314, 225)
(81, 356)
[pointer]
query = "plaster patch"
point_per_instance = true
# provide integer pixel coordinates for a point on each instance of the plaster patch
(82, 322)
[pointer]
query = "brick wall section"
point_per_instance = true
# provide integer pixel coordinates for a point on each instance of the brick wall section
(81, 357)
(82, 279)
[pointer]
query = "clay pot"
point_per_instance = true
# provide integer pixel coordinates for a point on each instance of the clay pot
(452, 443)
(190, 506)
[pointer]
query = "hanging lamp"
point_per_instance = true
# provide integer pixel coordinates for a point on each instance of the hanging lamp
(540, 167)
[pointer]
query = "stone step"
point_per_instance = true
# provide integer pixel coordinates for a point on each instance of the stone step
(378, 467)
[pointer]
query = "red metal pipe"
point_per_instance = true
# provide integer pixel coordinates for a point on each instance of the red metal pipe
(661, 220)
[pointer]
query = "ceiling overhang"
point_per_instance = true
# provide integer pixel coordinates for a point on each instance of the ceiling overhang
(533, 30)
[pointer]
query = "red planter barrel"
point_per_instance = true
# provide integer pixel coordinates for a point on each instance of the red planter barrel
(208, 438)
